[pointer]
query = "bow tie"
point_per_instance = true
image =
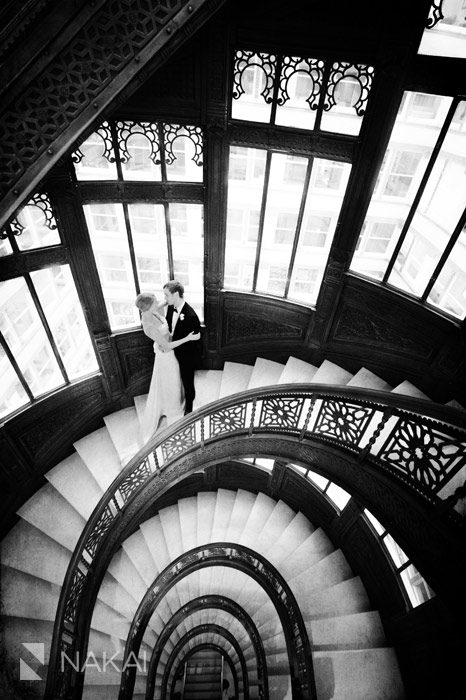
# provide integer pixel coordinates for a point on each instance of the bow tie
(175, 310)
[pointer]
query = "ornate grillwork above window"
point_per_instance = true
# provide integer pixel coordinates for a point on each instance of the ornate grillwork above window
(155, 151)
(300, 91)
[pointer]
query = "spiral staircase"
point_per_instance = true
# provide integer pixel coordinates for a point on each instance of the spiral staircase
(351, 658)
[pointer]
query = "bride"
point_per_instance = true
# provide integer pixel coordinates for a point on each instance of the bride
(166, 396)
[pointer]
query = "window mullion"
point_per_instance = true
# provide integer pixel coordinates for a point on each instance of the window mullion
(325, 77)
(116, 150)
(46, 326)
(132, 254)
(454, 237)
(299, 222)
(16, 368)
(278, 70)
(421, 189)
(261, 218)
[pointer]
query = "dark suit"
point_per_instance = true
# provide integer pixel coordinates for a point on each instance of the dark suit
(188, 354)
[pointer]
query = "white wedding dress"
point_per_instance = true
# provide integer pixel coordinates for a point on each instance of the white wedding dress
(165, 396)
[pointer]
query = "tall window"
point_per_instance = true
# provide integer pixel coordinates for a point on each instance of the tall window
(44, 340)
(139, 245)
(417, 589)
(296, 201)
(421, 190)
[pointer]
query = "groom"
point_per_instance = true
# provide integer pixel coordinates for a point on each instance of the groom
(185, 329)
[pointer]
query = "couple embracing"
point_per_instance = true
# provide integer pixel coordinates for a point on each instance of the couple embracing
(177, 354)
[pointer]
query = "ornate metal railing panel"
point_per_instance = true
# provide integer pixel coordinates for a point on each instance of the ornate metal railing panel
(421, 444)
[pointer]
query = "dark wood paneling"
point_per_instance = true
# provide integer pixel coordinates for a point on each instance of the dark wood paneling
(397, 338)
(35, 440)
(269, 324)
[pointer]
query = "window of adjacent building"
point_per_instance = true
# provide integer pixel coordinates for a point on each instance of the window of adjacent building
(412, 237)
(296, 202)
(445, 32)
(417, 589)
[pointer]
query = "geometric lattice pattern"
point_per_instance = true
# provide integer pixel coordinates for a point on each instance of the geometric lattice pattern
(178, 443)
(423, 453)
(133, 481)
(232, 418)
(99, 530)
(280, 412)
(342, 421)
(77, 76)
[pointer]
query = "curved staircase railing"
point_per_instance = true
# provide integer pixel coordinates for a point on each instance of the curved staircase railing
(421, 444)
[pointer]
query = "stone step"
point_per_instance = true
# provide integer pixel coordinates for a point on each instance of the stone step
(366, 673)
(46, 508)
(357, 631)
(331, 373)
(297, 371)
(367, 379)
(76, 484)
(123, 428)
(207, 385)
(409, 389)
(235, 378)
(265, 373)
(100, 456)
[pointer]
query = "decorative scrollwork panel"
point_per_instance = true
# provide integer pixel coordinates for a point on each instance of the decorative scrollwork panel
(103, 133)
(171, 132)
(247, 59)
(292, 65)
(435, 14)
(355, 72)
(148, 129)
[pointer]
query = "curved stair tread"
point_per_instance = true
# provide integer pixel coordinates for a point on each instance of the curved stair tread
(100, 456)
(46, 508)
(76, 484)
(265, 373)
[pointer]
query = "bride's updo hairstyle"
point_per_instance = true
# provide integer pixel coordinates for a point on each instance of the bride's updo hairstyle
(145, 300)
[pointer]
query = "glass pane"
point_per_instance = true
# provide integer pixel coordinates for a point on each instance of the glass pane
(95, 165)
(416, 587)
(150, 246)
(245, 188)
(23, 330)
(341, 118)
(59, 300)
(417, 127)
(187, 236)
(323, 203)
(251, 105)
(377, 526)
(266, 463)
(139, 165)
(396, 553)
(109, 241)
(449, 291)
(441, 205)
(448, 36)
(284, 196)
(5, 247)
(184, 167)
(302, 88)
(12, 395)
(320, 481)
(36, 233)
(338, 495)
